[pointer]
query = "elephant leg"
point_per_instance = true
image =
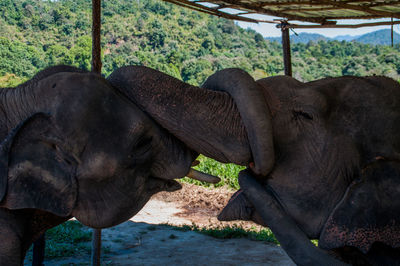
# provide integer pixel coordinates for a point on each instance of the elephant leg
(11, 246)
(293, 240)
(18, 230)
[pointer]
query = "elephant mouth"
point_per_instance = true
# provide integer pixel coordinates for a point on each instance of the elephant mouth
(168, 185)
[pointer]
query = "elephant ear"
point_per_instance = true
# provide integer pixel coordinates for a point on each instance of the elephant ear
(369, 211)
(35, 172)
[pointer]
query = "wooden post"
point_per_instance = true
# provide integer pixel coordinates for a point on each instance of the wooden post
(287, 61)
(96, 247)
(391, 31)
(96, 67)
(38, 251)
(96, 26)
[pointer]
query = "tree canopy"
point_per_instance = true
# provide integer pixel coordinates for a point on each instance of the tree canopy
(183, 43)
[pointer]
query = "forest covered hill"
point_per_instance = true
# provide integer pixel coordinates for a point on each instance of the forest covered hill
(186, 44)
(382, 37)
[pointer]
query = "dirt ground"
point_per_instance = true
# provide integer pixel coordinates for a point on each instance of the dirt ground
(150, 239)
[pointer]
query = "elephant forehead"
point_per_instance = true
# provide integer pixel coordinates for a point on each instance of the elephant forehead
(99, 165)
(138, 126)
(311, 98)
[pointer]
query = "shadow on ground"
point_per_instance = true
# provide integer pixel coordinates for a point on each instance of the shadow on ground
(133, 243)
(146, 240)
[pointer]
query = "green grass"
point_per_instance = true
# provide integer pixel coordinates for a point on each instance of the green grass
(228, 232)
(227, 172)
(66, 240)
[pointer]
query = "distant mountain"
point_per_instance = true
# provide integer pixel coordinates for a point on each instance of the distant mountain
(274, 39)
(301, 38)
(347, 38)
(381, 37)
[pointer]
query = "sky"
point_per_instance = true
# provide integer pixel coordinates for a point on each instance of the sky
(270, 30)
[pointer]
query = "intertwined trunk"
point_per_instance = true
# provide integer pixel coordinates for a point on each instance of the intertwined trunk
(206, 121)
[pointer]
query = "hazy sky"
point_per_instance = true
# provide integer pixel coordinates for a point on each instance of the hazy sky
(269, 30)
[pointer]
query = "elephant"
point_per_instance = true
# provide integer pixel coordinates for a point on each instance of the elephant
(74, 146)
(328, 164)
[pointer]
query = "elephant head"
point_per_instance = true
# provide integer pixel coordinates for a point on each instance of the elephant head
(75, 146)
(336, 176)
(78, 147)
(325, 135)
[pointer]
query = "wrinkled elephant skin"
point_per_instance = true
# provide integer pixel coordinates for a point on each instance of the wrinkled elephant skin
(336, 176)
(325, 135)
(72, 145)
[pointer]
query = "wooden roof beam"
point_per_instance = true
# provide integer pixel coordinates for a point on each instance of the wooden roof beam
(386, 3)
(307, 2)
(354, 17)
(360, 8)
(259, 9)
(295, 26)
(355, 1)
(308, 9)
(285, 13)
(208, 10)
(288, 3)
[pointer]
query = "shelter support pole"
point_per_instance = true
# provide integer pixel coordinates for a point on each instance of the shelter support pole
(391, 31)
(287, 61)
(96, 26)
(38, 251)
(96, 67)
(39, 245)
(96, 247)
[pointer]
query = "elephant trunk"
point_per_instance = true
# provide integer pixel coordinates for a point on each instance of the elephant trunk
(254, 110)
(206, 121)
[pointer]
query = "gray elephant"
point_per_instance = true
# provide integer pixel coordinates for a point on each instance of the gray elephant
(73, 146)
(329, 167)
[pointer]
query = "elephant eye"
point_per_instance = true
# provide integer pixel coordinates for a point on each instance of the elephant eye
(298, 114)
(143, 143)
(142, 147)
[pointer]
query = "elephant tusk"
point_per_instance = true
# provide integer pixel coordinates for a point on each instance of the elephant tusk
(200, 176)
(195, 162)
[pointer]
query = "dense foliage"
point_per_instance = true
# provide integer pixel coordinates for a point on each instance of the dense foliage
(183, 43)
